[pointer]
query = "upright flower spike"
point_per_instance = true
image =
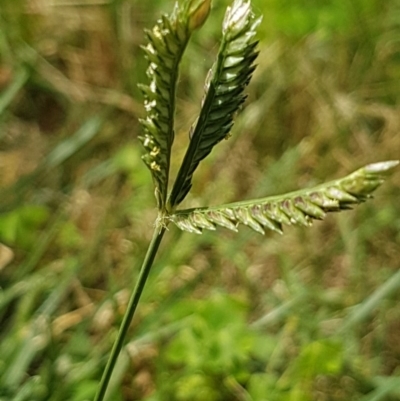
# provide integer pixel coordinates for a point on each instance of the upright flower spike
(295, 208)
(166, 44)
(224, 88)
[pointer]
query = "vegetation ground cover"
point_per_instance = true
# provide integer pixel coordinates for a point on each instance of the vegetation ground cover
(311, 315)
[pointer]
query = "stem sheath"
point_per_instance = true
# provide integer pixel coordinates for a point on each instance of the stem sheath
(132, 305)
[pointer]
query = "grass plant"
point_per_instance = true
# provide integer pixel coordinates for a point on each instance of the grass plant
(229, 314)
(224, 87)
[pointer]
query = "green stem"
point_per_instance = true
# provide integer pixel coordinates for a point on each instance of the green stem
(133, 302)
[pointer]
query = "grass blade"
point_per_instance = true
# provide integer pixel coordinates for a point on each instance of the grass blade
(9, 94)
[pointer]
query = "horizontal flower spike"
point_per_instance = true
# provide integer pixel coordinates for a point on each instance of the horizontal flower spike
(296, 208)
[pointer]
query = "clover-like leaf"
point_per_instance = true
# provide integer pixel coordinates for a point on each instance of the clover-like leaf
(224, 88)
(166, 44)
(294, 208)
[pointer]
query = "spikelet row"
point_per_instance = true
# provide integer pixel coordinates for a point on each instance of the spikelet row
(296, 208)
(166, 44)
(224, 89)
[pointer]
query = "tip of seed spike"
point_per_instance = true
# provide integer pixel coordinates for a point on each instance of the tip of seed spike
(381, 166)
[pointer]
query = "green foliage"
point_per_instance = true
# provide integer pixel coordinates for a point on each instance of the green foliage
(215, 354)
(215, 342)
(18, 226)
(213, 350)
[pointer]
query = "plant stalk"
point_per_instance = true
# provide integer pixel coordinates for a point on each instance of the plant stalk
(132, 305)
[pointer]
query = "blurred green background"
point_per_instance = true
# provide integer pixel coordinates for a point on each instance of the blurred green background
(311, 315)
